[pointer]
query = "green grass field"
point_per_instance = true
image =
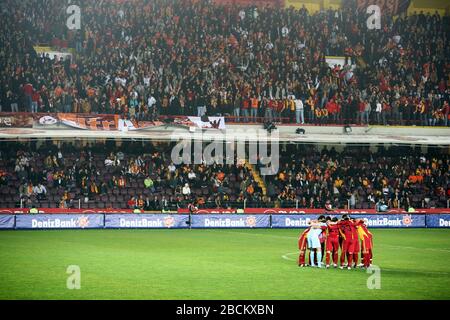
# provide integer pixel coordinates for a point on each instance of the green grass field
(213, 264)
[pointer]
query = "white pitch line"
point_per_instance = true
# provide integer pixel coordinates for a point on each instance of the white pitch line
(285, 256)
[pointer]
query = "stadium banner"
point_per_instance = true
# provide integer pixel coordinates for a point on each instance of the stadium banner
(303, 211)
(230, 221)
(223, 211)
(212, 123)
(100, 122)
(125, 125)
(250, 3)
(7, 222)
(338, 211)
(142, 125)
(181, 221)
(16, 121)
(53, 54)
(333, 61)
(292, 221)
(46, 120)
(372, 221)
(277, 211)
(391, 7)
(146, 221)
(209, 211)
(53, 211)
(438, 221)
(60, 221)
(395, 220)
(104, 122)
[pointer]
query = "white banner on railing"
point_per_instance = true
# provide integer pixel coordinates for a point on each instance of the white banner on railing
(212, 123)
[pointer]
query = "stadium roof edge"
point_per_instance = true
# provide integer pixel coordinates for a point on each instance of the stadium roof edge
(253, 133)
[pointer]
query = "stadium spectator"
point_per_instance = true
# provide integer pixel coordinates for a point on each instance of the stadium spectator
(299, 110)
(186, 190)
(40, 191)
(309, 176)
(132, 203)
(149, 184)
(127, 73)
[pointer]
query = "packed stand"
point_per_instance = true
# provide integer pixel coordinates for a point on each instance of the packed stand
(147, 59)
(129, 177)
(361, 178)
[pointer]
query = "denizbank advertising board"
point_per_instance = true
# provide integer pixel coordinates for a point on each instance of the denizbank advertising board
(372, 221)
(60, 221)
(231, 221)
(205, 221)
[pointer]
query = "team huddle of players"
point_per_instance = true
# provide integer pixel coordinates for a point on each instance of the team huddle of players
(329, 235)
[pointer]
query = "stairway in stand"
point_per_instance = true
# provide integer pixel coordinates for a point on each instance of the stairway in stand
(257, 177)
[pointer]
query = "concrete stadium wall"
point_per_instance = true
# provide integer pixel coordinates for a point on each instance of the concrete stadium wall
(362, 130)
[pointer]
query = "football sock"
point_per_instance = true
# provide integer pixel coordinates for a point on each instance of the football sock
(301, 258)
(355, 259)
(319, 258)
(343, 254)
(350, 259)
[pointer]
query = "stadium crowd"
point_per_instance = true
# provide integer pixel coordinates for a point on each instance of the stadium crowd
(144, 59)
(400, 177)
(127, 177)
(104, 175)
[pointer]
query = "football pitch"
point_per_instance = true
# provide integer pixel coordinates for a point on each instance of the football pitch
(213, 264)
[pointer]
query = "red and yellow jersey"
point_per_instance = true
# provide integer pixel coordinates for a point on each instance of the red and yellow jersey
(302, 241)
(305, 233)
(333, 231)
(363, 232)
(365, 236)
(346, 229)
(355, 230)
